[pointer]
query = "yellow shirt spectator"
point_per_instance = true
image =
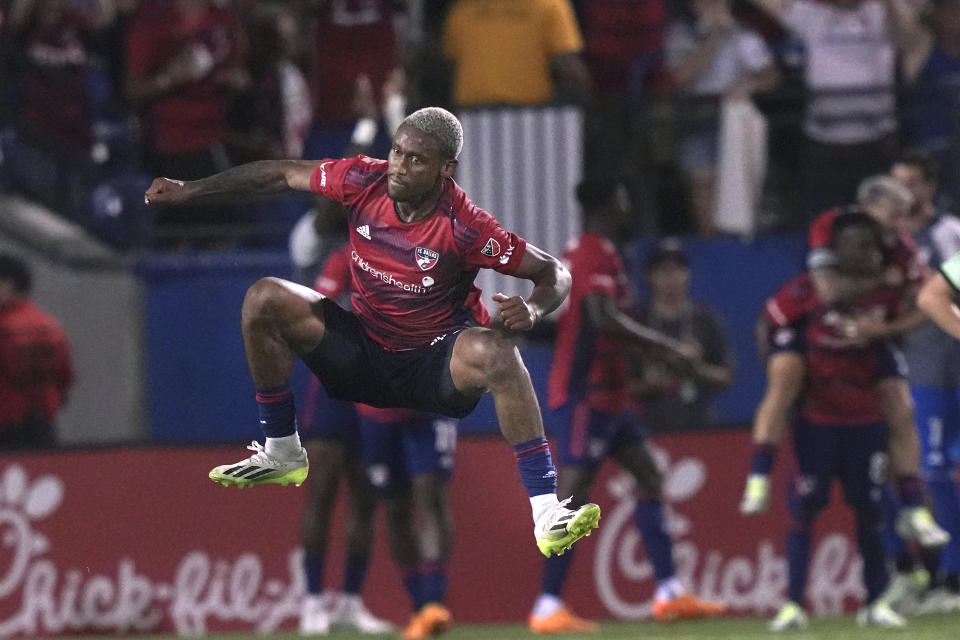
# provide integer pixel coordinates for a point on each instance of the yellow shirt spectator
(502, 49)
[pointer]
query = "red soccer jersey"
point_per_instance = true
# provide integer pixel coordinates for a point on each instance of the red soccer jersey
(904, 267)
(413, 282)
(334, 283)
(841, 380)
(587, 365)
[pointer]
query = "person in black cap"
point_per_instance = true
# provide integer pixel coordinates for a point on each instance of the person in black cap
(675, 401)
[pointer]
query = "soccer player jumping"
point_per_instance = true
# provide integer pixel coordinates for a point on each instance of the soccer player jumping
(417, 335)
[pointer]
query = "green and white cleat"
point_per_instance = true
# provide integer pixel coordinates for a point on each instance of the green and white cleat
(918, 524)
(262, 468)
(790, 616)
(560, 527)
(879, 614)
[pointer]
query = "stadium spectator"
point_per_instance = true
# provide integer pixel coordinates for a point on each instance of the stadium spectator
(839, 431)
(933, 110)
(184, 65)
(414, 341)
(931, 357)
(673, 401)
(55, 74)
(505, 52)
(588, 387)
(36, 369)
(623, 50)
(850, 76)
(351, 40)
(713, 59)
(272, 117)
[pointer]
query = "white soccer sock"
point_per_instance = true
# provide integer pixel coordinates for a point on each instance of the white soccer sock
(284, 448)
(669, 589)
(546, 605)
(541, 504)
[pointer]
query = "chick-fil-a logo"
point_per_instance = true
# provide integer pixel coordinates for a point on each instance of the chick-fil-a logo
(38, 597)
(747, 584)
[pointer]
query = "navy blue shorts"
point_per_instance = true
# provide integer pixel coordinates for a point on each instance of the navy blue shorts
(586, 437)
(856, 455)
(395, 452)
(352, 366)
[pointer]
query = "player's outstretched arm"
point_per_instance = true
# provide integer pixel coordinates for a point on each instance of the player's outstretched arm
(936, 299)
(551, 284)
(263, 176)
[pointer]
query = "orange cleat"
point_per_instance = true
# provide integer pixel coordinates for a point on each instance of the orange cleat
(432, 620)
(685, 607)
(561, 621)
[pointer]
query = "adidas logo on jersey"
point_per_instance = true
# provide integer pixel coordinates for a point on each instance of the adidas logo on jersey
(364, 230)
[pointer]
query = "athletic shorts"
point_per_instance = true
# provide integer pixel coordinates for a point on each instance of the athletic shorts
(352, 366)
(585, 437)
(395, 452)
(856, 455)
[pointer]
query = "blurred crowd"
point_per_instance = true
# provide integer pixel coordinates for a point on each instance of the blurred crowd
(810, 95)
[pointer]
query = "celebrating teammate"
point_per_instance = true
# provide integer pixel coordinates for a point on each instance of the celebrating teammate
(840, 430)
(588, 385)
(416, 337)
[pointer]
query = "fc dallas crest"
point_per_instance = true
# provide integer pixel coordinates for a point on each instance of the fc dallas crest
(426, 258)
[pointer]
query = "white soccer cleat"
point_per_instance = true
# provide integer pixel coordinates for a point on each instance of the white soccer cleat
(917, 524)
(348, 612)
(756, 495)
(938, 601)
(790, 616)
(879, 614)
(559, 527)
(262, 468)
(315, 615)
(905, 589)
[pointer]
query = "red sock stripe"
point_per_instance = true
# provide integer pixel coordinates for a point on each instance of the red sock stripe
(273, 397)
(534, 450)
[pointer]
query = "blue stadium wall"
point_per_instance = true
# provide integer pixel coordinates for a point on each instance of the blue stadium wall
(199, 389)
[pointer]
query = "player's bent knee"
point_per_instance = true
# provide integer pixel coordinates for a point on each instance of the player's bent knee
(490, 352)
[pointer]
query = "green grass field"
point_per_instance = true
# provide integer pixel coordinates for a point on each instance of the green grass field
(946, 627)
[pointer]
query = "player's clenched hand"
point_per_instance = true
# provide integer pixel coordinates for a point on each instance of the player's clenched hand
(756, 495)
(515, 313)
(166, 191)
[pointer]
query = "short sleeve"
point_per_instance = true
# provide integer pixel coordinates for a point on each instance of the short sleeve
(951, 270)
(491, 246)
(597, 273)
(820, 230)
(344, 180)
(754, 53)
(562, 33)
(790, 303)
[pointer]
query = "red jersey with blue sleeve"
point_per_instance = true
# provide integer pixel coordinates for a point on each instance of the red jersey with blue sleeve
(413, 282)
(334, 282)
(588, 366)
(841, 380)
